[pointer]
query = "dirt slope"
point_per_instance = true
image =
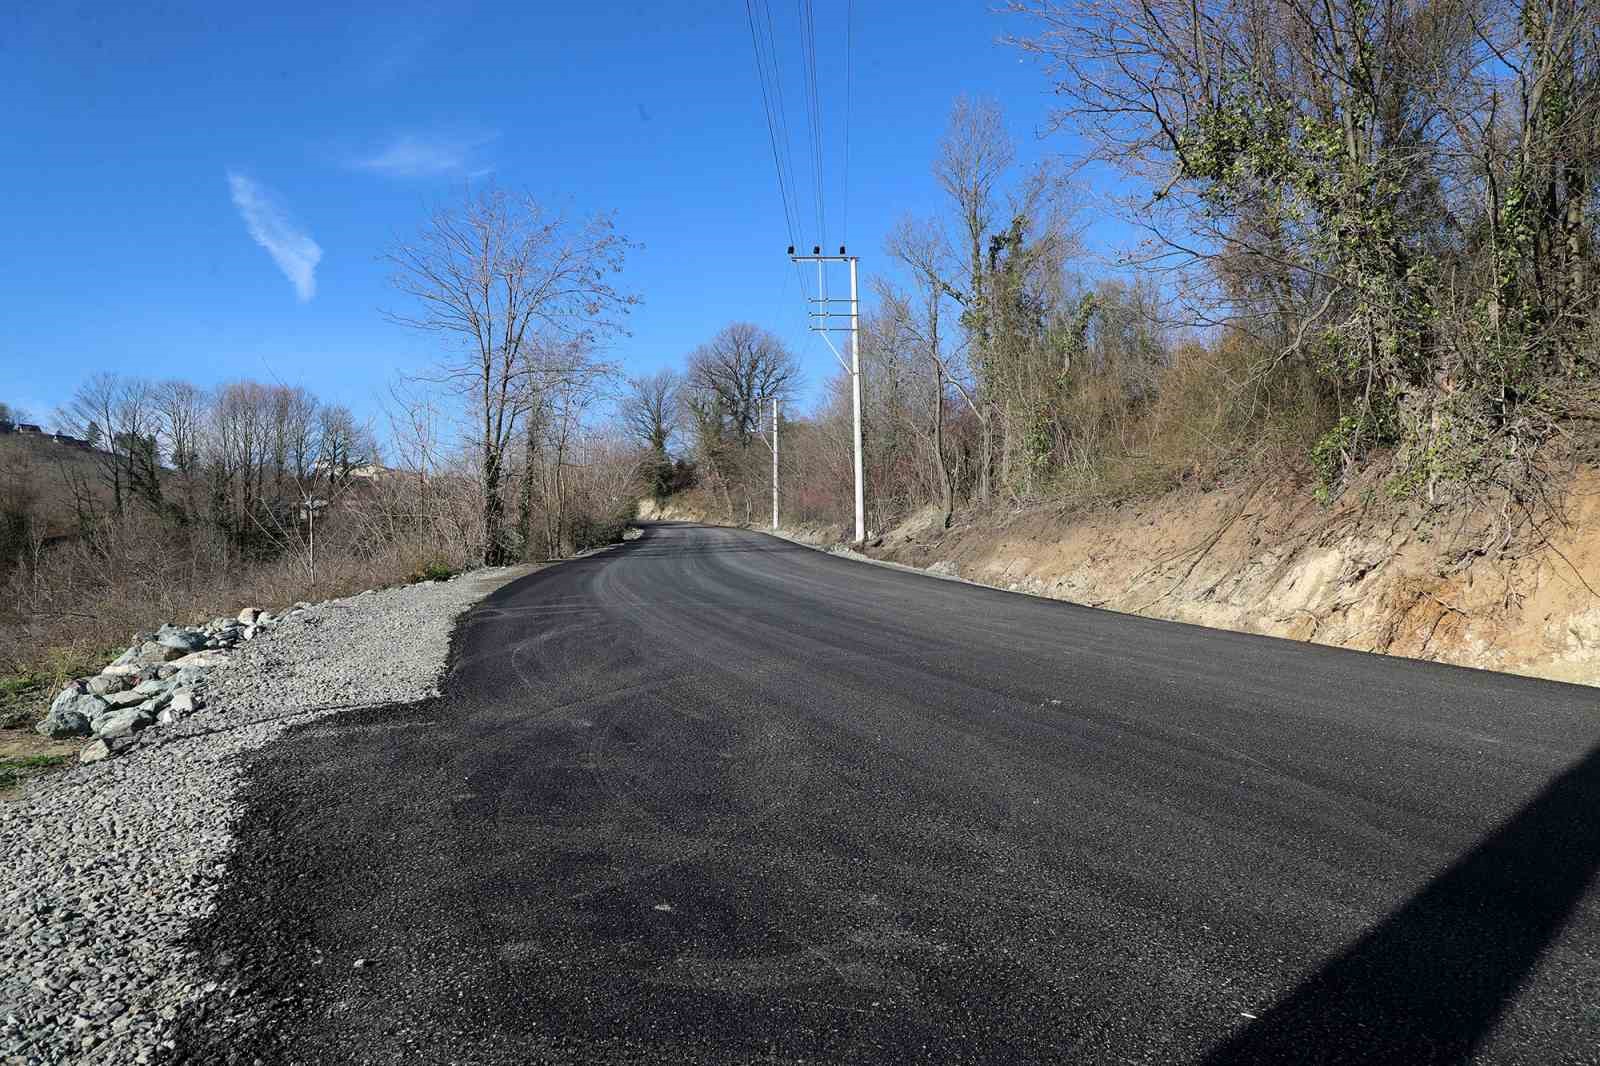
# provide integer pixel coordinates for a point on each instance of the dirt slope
(1267, 557)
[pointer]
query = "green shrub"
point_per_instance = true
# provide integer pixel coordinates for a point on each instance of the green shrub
(432, 570)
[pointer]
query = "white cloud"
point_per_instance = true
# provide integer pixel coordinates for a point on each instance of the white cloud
(424, 156)
(296, 254)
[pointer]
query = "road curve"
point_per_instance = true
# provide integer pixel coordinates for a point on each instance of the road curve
(711, 797)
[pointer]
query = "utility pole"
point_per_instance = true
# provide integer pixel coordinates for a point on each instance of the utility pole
(308, 511)
(821, 321)
(774, 462)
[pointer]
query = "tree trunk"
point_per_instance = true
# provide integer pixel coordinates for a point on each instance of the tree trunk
(985, 454)
(530, 455)
(494, 509)
(946, 503)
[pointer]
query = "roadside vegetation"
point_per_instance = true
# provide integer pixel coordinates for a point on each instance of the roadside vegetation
(1369, 244)
(163, 501)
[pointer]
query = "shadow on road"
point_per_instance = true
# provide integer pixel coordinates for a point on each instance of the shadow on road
(1430, 982)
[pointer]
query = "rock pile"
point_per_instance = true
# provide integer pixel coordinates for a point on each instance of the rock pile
(105, 867)
(159, 679)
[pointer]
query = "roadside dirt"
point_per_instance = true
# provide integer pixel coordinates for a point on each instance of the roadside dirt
(1266, 556)
(25, 754)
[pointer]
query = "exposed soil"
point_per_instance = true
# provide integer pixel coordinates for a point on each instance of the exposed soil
(21, 749)
(1461, 586)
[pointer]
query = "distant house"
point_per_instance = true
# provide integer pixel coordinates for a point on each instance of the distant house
(69, 440)
(363, 470)
(29, 427)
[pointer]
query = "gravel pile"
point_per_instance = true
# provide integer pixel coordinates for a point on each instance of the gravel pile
(104, 867)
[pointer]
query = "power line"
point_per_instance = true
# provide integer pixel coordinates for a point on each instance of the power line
(789, 215)
(849, 42)
(808, 46)
(784, 141)
(783, 112)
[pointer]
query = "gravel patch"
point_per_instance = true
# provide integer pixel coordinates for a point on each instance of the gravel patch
(106, 866)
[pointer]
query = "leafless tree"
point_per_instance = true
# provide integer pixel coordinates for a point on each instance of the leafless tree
(181, 410)
(650, 408)
(516, 291)
(118, 416)
(922, 247)
(737, 374)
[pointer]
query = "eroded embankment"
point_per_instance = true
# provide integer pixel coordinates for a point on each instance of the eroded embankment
(1467, 585)
(1267, 557)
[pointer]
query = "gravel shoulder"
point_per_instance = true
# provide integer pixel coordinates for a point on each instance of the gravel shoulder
(108, 865)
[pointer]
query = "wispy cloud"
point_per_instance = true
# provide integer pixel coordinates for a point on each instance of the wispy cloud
(296, 254)
(413, 155)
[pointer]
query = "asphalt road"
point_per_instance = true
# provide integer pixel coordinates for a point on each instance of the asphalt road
(712, 797)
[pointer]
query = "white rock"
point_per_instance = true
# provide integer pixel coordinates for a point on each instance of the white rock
(203, 659)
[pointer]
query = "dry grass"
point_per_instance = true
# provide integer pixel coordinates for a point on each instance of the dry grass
(24, 755)
(82, 602)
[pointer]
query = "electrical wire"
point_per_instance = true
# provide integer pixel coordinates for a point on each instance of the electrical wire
(784, 140)
(844, 182)
(778, 127)
(808, 45)
(789, 214)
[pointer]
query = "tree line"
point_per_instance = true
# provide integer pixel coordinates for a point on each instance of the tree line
(243, 457)
(1370, 237)
(1393, 197)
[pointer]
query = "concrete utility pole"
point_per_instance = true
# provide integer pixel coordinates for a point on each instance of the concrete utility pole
(308, 511)
(826, 314)
(774, 462)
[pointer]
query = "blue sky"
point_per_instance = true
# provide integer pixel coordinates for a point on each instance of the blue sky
(153, 153)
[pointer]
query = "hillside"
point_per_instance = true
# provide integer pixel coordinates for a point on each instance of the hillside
(45, 472)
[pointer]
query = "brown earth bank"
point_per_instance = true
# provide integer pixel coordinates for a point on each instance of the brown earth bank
(1484, 586)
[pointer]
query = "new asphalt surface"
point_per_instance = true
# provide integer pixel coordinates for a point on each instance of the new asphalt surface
(712, 797)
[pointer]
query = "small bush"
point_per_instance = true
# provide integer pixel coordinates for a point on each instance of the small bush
(596, 531)
(432, 570)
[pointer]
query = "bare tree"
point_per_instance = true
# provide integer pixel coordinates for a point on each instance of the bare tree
(650, 409)
(241, 436)
(343, 445)
(415, 433)
(923, 249)
(738, 373)
(514, 288)
(118, 415)
(181, 410)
